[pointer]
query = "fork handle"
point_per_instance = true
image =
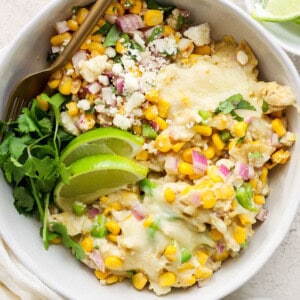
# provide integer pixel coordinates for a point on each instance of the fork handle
(96, 12)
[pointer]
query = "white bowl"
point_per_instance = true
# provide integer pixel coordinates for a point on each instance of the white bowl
(56, 267)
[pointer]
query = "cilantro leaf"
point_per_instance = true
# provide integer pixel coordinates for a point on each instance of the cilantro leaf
(67, 241)
(265, 106)
(26, 123)
(104, 29)
(24, 201)
(112, 36)
(232, 103)
(152, 4)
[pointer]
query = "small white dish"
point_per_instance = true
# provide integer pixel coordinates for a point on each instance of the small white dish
(286, 34)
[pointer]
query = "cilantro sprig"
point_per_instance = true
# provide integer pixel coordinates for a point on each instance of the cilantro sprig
(232, 103)
(29, 157)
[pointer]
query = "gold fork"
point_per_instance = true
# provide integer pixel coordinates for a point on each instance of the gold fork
(33, 84)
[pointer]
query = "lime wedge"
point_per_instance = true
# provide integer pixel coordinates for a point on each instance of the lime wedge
(102, 140)
(97, 175)
(275, 10)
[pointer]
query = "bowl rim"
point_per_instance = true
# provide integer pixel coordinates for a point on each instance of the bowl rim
(291, 210)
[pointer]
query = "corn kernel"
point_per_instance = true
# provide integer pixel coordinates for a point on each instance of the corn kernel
(120, 48)
(81, 15)
(59, 39)
(278, 127)
(169, 195)
(87, 244)
(115, 9)
(53, 84)
(202, 257)
(139, 280)
(163, 108)
(151, 112)
(113, 227)
(215, 234)
(171, 253)
(101, 275)
(112, 237)
(72, 108)
(189, 281)
(111, 279)
(259, 199)
(168, 30)
(178, 146)
(116, 206)
(152, 96)
(224, 192)
(153, 17)
(73, 25)
(244, 220)
(240, 129)
(142, 155)
(209, 152)
(253, 183)
(239, 234)
(187, 154)
(96, 47)
(136, 7)
(104, 199)
(167, 279)
(186, 267)
(219, 122)
(162, 124)
(185, 168)
(213, 173)
(203, 130)
(65, 85)
(203, 272)
(163, 143)
(217, 141)
(208, 199)
(202, 50)
(137, 129)
(42, 104)
(113, 262)
(221, 256)
(264, 175)
(148, 222)
(280, 156)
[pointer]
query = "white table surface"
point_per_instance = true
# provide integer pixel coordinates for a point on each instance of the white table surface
(280, 277)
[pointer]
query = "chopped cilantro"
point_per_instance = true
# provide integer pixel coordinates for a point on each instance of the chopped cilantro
(152, 4)
(104, 29)
(112, 36)
(154, 34)
(265, 106)
(232, 103)
(181, 22)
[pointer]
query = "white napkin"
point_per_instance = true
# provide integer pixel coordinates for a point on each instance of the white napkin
(16, 282)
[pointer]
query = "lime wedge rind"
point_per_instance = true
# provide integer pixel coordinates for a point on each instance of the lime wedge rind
(102, 140)
(274, 10)
(97, 175)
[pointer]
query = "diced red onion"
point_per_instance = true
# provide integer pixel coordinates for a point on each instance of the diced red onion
(195, 198)
(93, 212)
(98, 260)
(55, 49)
(199, 161)
(220, 247)
(77, 57)
(224, 171)
(262, 215)
(154, 125)
(274, 139)
(249, 119)
(138, 212)
(120, 85)
(61, 27)
(129, 23)
(171, 165)
(93, 88)
(242, 170)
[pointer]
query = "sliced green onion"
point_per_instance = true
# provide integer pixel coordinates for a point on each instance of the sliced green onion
(79, 208)
(186, 255)
(148, 132)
